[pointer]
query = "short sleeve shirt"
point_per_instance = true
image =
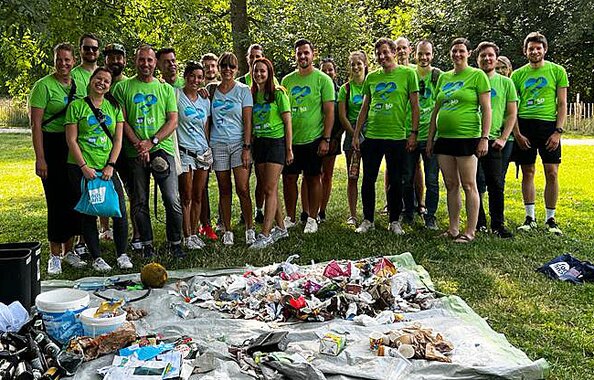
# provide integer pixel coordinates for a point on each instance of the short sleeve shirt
(537, 90)
(52, 96)
(191, 122)
(227, 114)
(83, 76)
(308, 95)
(458, 96)
(146, 106)
(94, 143)
(267, 117)
(355, 100)
(389, 97)
(427, 95)
(503, 91)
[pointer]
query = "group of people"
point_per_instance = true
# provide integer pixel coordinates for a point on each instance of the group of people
(92, 121)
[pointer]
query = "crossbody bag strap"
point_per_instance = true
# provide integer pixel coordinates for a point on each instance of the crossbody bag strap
(101, 120)
(62, 112)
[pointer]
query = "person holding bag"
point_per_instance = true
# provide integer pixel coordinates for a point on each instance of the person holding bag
(94, 127)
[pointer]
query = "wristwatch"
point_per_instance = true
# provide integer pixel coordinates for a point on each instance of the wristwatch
(155, 140)
(484, 137)
(559, 130)
(112, 164)
(327, 139)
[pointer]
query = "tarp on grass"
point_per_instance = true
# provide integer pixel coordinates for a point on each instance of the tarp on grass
(479, 352)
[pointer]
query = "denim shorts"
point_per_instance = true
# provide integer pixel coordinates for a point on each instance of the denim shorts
(189, 163)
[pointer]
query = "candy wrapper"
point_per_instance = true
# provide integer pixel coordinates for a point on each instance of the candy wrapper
(334, 270)
(384, 268)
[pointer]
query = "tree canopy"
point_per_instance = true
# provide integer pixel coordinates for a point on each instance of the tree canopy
(30, 28)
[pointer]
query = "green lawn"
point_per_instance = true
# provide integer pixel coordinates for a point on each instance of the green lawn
(546, 319)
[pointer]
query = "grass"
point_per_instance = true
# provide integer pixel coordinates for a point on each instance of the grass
(544, 318)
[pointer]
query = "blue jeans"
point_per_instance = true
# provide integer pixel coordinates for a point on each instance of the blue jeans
(139, 183)
(431, 168)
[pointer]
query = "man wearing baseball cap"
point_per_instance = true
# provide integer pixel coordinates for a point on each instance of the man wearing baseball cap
(115, 60)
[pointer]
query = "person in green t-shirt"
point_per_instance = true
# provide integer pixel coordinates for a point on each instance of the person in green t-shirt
(504, 67)
(94, 128)
(311, 93)
(271, 146)
(461, 120)
(387, 93)
(89, 53)
(150, 111)
(350, 100)
(504, 112)
(542, 88)
(167, 64)
(414, 184)
(48, 101)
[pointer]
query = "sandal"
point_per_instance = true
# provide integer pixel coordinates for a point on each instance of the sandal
(449, 235)
(463, 239)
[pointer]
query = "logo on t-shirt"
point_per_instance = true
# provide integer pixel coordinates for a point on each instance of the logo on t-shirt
(493, 93)
(533, 88)
(145, 101)
(299, 93)
(261, 111)
(222, 106)
(357, 99)
(100, 138)
(383, 90)
(451, 87)
(194, 113)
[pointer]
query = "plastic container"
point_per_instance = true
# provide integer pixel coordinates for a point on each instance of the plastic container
(98, 326)
(60, 309)
(35, 248)
(15, 281)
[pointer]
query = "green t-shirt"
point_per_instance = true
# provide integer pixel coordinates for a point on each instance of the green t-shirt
(82, 76)
(147, 106)
(537, 90)
(115, 81)
(307, 95)
(355, 100)
(502, 92)
(52, 96)
(92, 140)
(458, 96)
(389, 95)
(427, 95)
(267, 118)
(179, 82)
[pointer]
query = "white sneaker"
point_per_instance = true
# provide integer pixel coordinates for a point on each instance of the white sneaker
(289, 223)
(278, 233)
(250, 236)
(365, 227)
(74, 260)
(351, 221)
(228, 238)
(106, 235)
(54, 265)
(396, 228)
(194, 242)
(263, 241)
(124, 262)
(100, 265)
(311, 227)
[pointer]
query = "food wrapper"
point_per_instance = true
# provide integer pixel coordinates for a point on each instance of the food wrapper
(384, 268)
(332, 344)
(334, 270)
(109, 309)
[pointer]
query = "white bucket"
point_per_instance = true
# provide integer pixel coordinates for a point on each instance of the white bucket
(98, 326)
(59, 309)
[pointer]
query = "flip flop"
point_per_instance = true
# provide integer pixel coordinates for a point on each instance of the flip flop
(463, 239)
(448, 234)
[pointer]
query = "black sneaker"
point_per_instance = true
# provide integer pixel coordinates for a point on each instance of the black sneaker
(303, 217)
(322, 216)
(259, 217)
(481, 228)
(177, 251)
(408, 219)
(529, 224)
(503, 233)
(148, 251)
(552, 227)
(82, 251)
(136, 245)
(430, 222)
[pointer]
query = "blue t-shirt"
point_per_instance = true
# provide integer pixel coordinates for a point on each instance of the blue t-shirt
(191, 122)
(227, 114)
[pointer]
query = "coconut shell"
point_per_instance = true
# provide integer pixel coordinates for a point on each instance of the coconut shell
(153, 275)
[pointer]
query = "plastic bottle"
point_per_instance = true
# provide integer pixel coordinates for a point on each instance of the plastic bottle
(355, 163)
(182, 310)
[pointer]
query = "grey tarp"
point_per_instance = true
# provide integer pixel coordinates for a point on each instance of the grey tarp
(479, 352)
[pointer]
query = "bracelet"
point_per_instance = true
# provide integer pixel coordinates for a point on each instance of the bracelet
(485, 137)
(82, 166)
(414, 132)
(112, 164)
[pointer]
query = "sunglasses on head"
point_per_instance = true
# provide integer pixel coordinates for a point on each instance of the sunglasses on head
(228, 66)
(90, 48)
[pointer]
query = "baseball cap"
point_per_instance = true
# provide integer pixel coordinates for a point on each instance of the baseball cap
(114, 48)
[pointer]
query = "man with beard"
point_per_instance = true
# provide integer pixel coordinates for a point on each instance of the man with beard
(167, 64)
(542, 89)
(115, 60)
(311, 93)
(151, 117)
(211, 69)
(503, 117)
(89, 53)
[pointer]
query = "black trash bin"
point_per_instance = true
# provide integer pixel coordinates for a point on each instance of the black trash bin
(35, 248)
(15, 278)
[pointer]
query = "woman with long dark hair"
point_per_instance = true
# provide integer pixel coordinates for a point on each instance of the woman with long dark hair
(94, 127)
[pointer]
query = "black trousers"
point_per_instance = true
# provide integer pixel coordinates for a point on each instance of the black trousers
(490, 173)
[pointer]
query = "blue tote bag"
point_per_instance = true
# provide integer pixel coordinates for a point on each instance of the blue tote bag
(98, 198)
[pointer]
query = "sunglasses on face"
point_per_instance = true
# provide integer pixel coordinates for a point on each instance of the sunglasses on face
(228, 66)
(91, 48)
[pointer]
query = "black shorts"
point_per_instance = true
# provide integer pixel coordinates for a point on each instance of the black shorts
(456, 147)
(269, 150)
(305, 160)
(537, 132)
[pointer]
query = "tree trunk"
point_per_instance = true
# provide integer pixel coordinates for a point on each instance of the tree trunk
(240, 32)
